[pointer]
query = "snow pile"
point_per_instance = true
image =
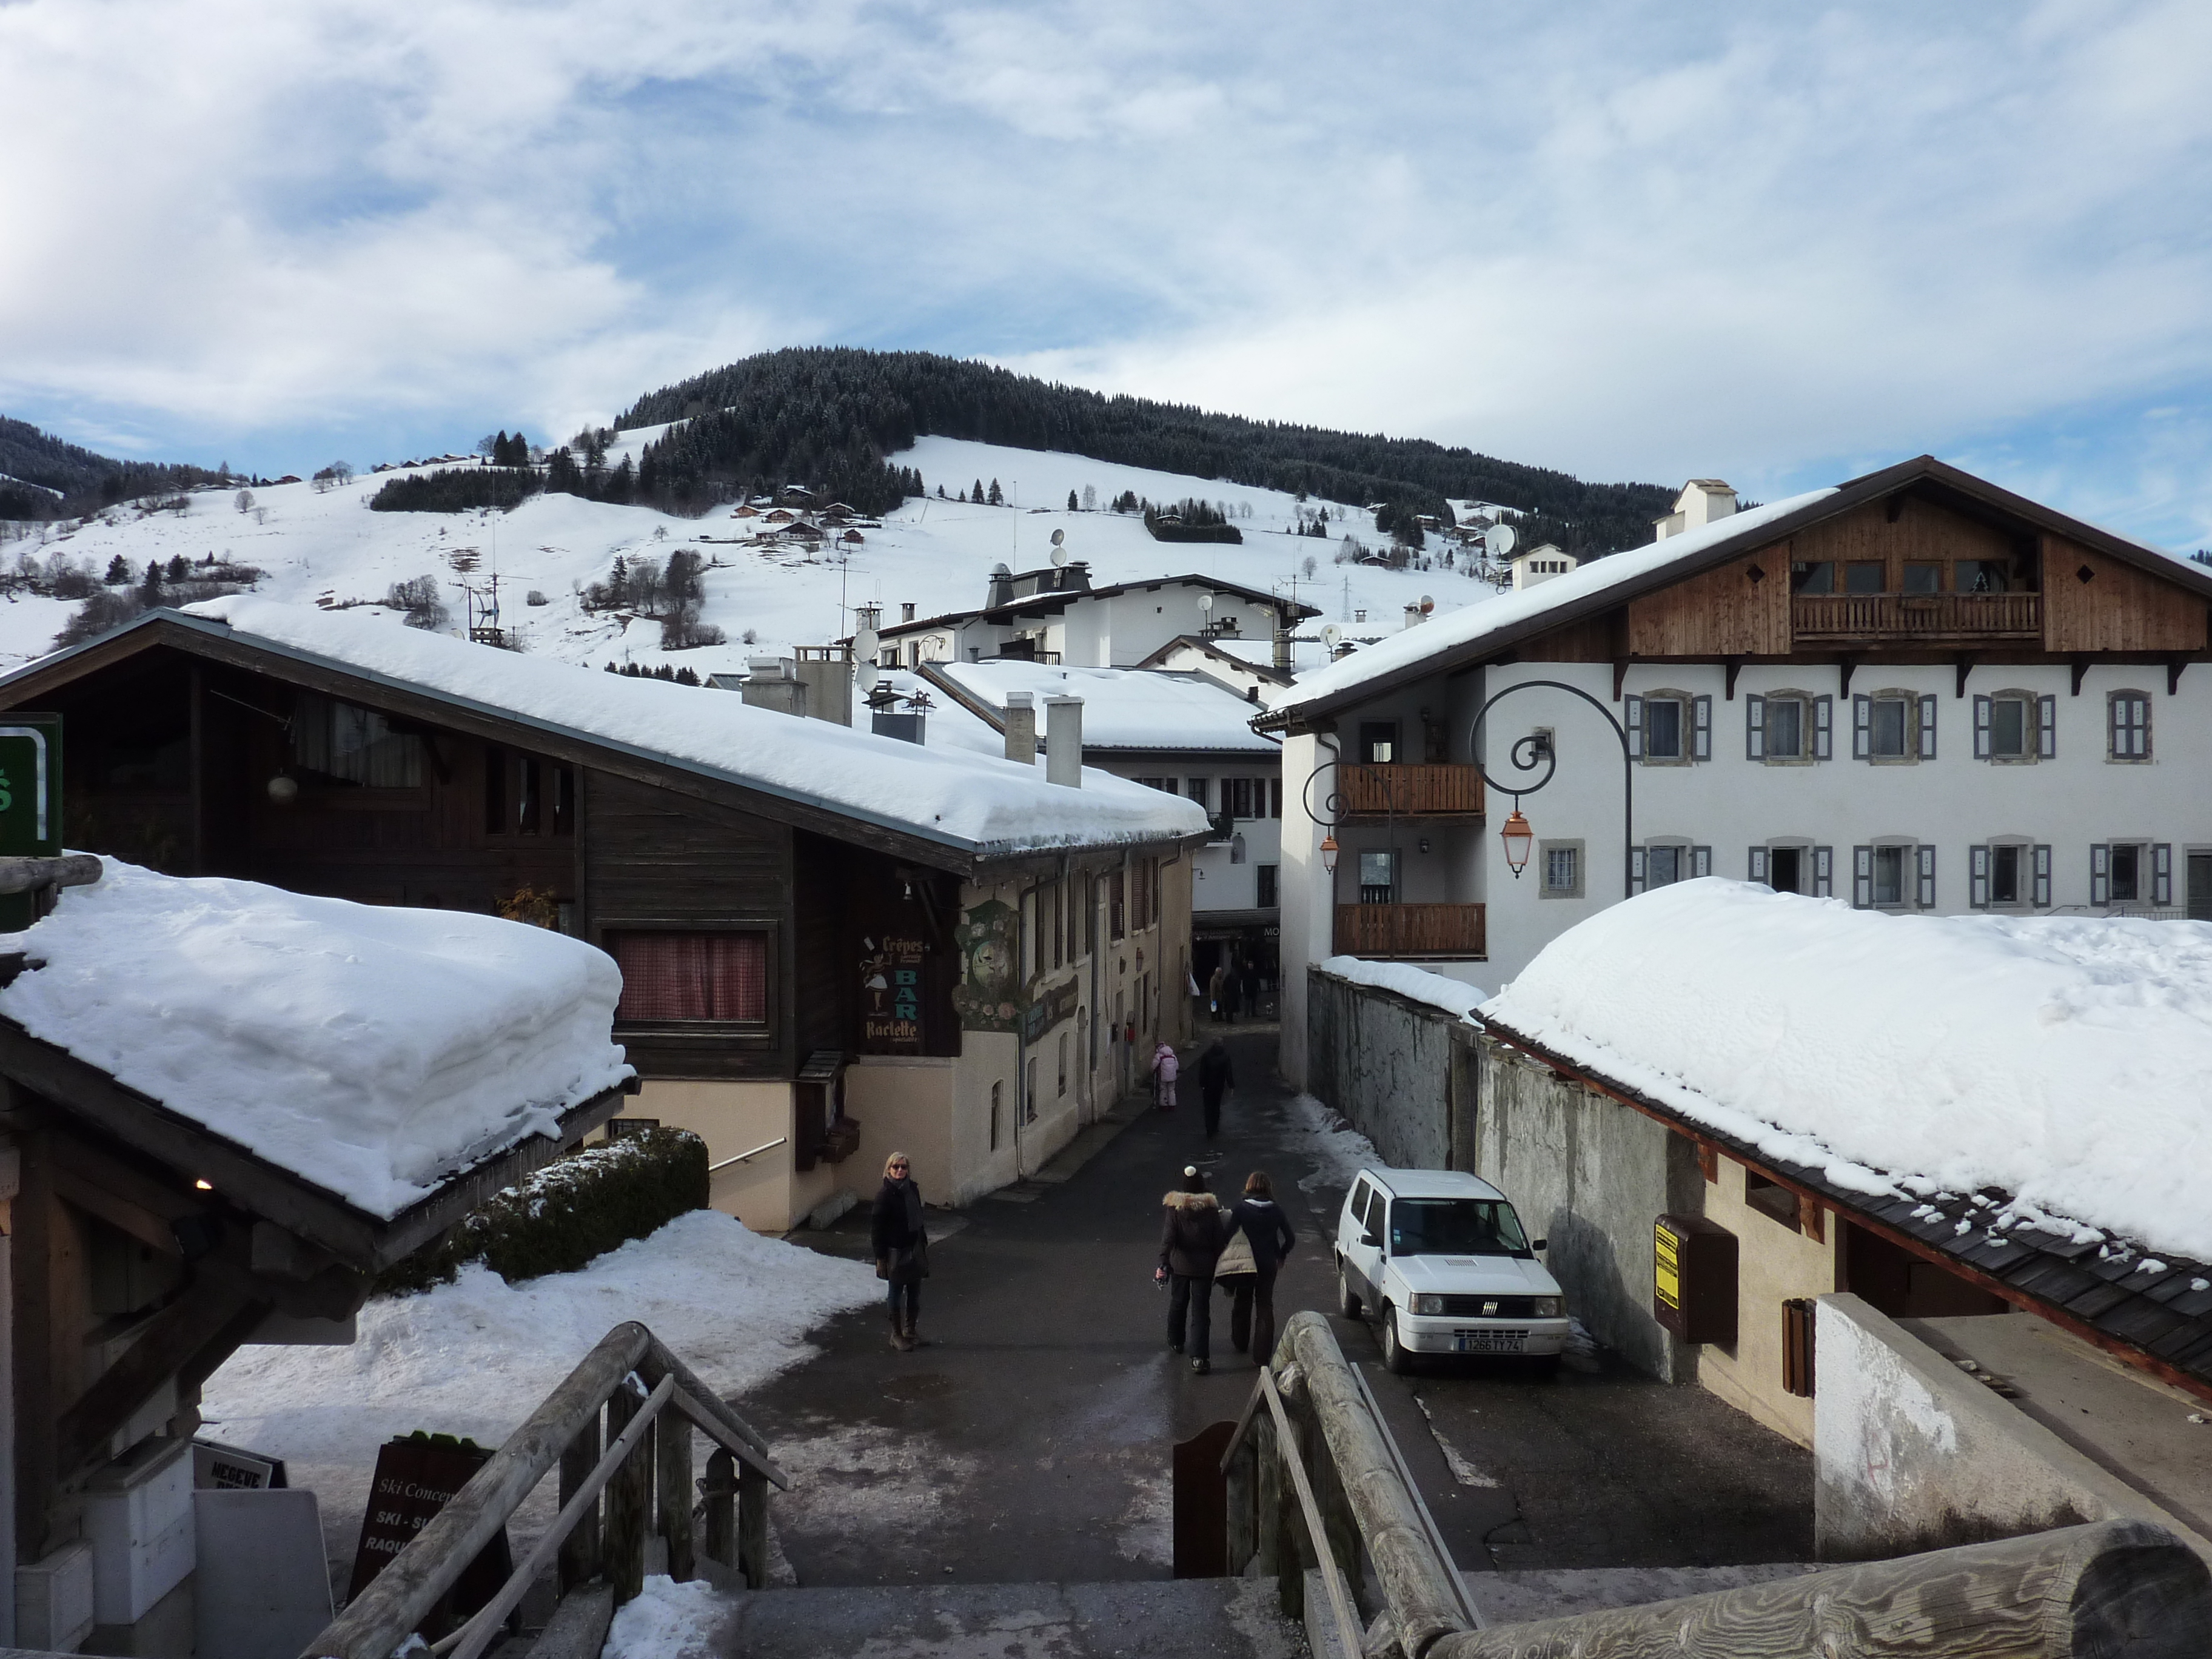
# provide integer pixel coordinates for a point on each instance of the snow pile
(1126, 707)
(370, 1050)
(2062, 1059)
(669, 1620)
(1339, 1151)
(985, 804)
(1452, 995)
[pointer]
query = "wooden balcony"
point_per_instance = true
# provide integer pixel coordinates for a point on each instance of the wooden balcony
(1409, 930)
(1410, 792)
(1889, 618)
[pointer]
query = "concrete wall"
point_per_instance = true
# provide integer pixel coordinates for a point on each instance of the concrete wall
(1775, 1263)
(1911, 1454)
(766, 1193)
(1383, 1061)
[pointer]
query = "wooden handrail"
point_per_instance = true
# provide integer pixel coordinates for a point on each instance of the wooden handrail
(1454, 1579)
(1332, 1575)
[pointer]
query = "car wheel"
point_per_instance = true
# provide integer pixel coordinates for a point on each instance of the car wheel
(1347, 1299)
(1395, 1358)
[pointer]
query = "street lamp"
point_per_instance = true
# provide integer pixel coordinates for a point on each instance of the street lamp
(1518, 838)
(1534, 753)
(1328, 852)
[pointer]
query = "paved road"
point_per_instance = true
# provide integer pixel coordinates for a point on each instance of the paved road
(1031, 1440)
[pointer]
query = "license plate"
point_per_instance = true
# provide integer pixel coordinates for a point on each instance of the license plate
(1493, 1341)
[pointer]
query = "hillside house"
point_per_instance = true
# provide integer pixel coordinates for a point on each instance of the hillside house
(832, 944)
(1539, 564)
(1915, 692)
(1246, 667)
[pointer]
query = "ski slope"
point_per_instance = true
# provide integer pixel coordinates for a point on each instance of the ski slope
(937, 554)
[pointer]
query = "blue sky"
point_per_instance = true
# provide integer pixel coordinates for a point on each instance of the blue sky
(1776, 245)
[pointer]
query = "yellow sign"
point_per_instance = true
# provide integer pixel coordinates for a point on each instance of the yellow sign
(1669, 1279)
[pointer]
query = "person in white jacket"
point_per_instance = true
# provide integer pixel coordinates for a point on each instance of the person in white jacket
(1165, 1067)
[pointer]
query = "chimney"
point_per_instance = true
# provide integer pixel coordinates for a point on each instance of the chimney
(1021, 728)
(906, 611)
(1063, 740)
(1702, 501)
(1413, 616)
(1282, 639)
(772, 684)
(826, 674)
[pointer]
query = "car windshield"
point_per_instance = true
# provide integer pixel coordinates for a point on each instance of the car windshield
(1455, 1226)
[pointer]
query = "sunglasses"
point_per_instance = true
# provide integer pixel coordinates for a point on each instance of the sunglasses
(898, 1166)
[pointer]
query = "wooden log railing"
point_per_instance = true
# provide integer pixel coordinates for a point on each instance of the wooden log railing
(649, 1402)
(1372, 789)
(1410, 930)
(2108, 1587)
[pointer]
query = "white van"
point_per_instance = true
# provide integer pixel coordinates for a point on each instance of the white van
(1442, 1260)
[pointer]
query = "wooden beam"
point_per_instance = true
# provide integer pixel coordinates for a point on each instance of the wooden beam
(1735, 665)
(2080, 666)
(1619, 674)
(1966, 667)
(170, 1341)
(1849, 665)
(2173, 667)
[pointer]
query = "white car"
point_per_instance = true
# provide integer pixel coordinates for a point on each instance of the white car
(1442, 1262)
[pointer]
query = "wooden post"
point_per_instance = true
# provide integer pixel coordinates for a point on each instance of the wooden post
(752, 1526)
(1267, 1484)
(722, 1494)
(1293, 1549)
(629, 1497)
(1243, 1480)
(579, 1551)
(672, 1439)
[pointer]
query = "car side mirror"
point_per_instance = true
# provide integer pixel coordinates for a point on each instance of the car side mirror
(1540, 1243)
(1370, 1242)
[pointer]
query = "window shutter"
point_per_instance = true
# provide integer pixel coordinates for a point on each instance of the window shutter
(1823, 720)
(1633, 709)
(1823, 872)
(1927, 894)
(2101, 874)
(2042, 867)
(1701, 862)
(1978, 877)
(2161, 873)
(1861, 727)
(1928, 728)
(1701, 728)
(1635, 870)
(1757, 863)
(1754, 728)
(1981, 728)
(1862, 875)
(2046, 728)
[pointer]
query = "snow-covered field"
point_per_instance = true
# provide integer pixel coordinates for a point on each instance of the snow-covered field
(476, 1357)
(937, 554)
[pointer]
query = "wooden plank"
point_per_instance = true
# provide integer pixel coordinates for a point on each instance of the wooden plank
(1722, 613)
(579, 1558)
(721, 1492)
(170, 1339)
(2119, 608)
(752, 1526)
(672, 1497)
(630, 1502)
(1399, 930)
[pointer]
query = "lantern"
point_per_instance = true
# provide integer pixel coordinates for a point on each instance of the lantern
(1518, 838)
(1328, 852)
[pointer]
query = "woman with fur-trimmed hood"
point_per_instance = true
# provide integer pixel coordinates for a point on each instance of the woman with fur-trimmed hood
(1194, 1229)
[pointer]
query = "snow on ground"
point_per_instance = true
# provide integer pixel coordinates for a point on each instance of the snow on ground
(938, 554)
(1338, 1150)
(476, 1357)
(1452, 995)
(669, 1620)
(370, 1049)
(2060, 1059)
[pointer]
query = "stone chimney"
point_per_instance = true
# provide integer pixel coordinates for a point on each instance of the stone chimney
(772, 683)
(1413, 616)
(1283, 624)
(1063, 740)
(1021, 728)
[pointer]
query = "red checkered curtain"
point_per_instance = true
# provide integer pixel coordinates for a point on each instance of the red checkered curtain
(691, 976)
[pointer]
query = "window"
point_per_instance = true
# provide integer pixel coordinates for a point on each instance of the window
(1378, 742)
(1784, 727)
(995, 1088)
(1662, 863)
(1116, 902)
(1274, 798)
(1239, 791)
(2008, 875)
(1979, 576)
(354, 744)
(1063, 1066)
(1893, 876)
(1669, 727)
(1030, 1094)
(1863, 576)
(2128, 717)
(1270, 892)
(1378, 879)
(1771, 1198)
(2131, 873)
(525, 796)
(1889, 874)
(1165, 784)
(1794, 869)
(1197, 790)
(673, 978)
(1922, 576)
(1662, 729)
(1561, 862)
(1893, 725)
(2015, 726)
(1455, 1226)
(1816, 576)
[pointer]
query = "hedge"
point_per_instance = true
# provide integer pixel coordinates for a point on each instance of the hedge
(574, 1209)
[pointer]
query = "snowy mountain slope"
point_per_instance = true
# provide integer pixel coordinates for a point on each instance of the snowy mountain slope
(937, 554)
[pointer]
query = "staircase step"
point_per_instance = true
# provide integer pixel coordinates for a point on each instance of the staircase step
(1140, 1619)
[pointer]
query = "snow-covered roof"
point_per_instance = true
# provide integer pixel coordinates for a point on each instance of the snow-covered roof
(1127, 707)
(978, 805)
(370, 1050)
(2061, 1059)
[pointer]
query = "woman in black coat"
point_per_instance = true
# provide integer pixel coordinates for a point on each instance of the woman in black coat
(1194, 1229)
(902, 1248)
(1252, 1313)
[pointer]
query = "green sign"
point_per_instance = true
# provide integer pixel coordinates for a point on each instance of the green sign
(30, 801)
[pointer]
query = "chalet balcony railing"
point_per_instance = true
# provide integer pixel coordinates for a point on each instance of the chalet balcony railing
(1410, 930)
(1410, 792)
(1916, 616)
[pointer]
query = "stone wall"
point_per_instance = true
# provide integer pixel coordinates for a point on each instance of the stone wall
(1391, 1066)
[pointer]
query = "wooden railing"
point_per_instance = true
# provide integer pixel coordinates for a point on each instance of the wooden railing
(1377, 791)
(1410, 930)
(1916, 616)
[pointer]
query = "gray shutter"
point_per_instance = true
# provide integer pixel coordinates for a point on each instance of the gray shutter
(2101, 874)
(1861, 727)
(1824, 744)
(1701, 728)
(1823, 872)
(1633, 707)
(1926, 895)
(1927, 727)
(2046, 728)
(1757, 863)
(1981, 728)
(1978, 877)
(1701, 862)
(2042, 867)
(1635, 869)
(1863, 876)
(2161, 873)
(1754, 728)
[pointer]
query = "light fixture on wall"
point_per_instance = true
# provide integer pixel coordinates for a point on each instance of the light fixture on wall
(1328, 852)
(1424, 843)
(1518, 838)
(283, 790)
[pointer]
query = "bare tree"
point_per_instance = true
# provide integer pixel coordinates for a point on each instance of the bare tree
(244, 501)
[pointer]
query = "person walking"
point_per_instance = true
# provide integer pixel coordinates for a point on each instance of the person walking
(902, 1248)
(1215, 982)
(1194, 1228)
(1215, 1077)
(1261, 1224)
(1165, 1067)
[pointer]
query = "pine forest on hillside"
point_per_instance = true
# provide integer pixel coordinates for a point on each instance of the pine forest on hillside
(43, 477)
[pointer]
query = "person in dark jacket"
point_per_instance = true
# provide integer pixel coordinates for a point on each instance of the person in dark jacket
(1215, 1079)
(1252, 1312)
(1194, 1229)
(902, 1248)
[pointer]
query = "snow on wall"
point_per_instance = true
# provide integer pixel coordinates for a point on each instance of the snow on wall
(368, 1050)
(1453, 996)
(2060, 1059)
(1127, 707)
(988, 803)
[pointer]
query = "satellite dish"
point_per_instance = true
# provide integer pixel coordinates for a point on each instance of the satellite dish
(1330, 635)
(1058, 536)
(1428, 604)
(866, 644)
(1499, 541)
(1206, 602)
(1002, 568)
(1060, 549)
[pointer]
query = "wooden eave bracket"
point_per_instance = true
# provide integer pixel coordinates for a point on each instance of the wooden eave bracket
(2080, 666)
(1966, 666)
(1735, 666)
(1849, 664)
(2173, 667)
(1621, 676)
